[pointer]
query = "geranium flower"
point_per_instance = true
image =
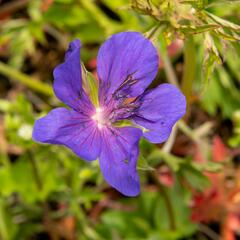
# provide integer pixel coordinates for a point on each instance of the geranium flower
(126, 64)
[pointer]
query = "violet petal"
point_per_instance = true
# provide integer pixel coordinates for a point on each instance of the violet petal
(67, 83)
(160, 109)
(69, 128)
(127, 63)
(118, 159)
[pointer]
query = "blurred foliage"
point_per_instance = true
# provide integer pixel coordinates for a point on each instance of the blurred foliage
(84, 20)
(49, 193)
(149, 219)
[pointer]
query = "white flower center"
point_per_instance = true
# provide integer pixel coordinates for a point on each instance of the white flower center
(98, 117)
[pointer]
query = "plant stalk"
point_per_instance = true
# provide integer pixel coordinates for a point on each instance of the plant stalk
(170, 73)
(169, 208)
(36, 174)
(189, 67)
(25, 79)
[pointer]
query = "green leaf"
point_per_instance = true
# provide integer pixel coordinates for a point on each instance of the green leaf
(4, 105)
(208, 166)
(57, 16)
(34, 10)
(157, 156)
(231, 36)
(91, 85)
(222, 22)
(143, 164)
(7, 227)
(198, 29)
(195, 178)
(199, 4)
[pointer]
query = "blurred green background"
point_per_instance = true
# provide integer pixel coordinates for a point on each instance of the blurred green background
(190, 186)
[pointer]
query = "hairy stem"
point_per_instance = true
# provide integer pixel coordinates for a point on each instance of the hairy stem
(169, 70)
(25, 79)
(167, 147)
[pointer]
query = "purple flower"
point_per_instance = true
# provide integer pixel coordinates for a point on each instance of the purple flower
(127, 63)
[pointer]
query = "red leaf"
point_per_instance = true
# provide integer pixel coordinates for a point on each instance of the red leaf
(219, 150)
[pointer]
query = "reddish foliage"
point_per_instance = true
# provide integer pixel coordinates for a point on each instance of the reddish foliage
(166, 176)
(219, 150)
(46, 4)
(220, 202)
(207, 206)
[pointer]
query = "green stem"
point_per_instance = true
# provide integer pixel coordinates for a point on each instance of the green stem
(189, 67)
(36, 173)
(169, 208)
(25, 79)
